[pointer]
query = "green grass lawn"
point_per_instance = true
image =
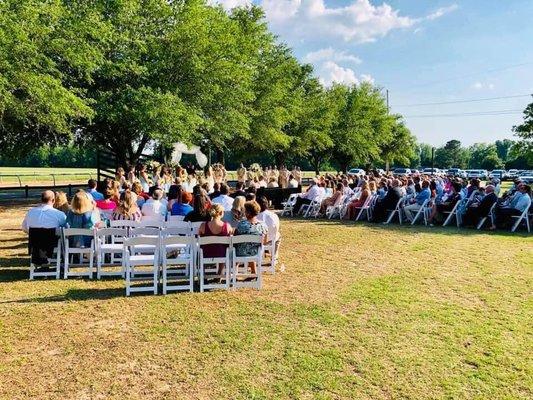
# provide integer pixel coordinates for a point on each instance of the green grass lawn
(361, 312)
(43, 176)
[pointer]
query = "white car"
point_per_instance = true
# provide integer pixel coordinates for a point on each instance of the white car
(498, 173)
(526, 177)
(356, 171)
(476, 173)
(430, 171)
(402, 171)
(456, 172)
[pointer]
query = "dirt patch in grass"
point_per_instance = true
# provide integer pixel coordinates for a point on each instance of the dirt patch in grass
(361, 312)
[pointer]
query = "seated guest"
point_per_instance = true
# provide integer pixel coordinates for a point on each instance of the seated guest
(293, 183)
(172, 196)
(273, 183)
(223, 199)
(127, 208)
(261, 183)
(355, 205)
(154, 207)
(239, 190)
(382, 189)
(314, 192)
(137, 188)
(393, 195)
(61, 202)
(270, 219)
(520, 202)
(179, 207)
(250, 226)
(200, 211)
(447, 203)
(216, 191)
(330, 201)
(215, 227)
(44, 215)
(107, 204)
(476, 211)
(416, 203)
(237, 211)
(96, 195)
(120, 176)
(82, 214)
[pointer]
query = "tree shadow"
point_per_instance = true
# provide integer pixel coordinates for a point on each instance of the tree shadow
(74, 295)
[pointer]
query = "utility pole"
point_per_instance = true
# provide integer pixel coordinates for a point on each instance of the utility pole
(388, 107)
(432, 160)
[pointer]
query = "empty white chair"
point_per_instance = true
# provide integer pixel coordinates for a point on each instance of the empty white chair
(289, 204)
(214, 268)
(109, 243)
(143, 268)
(179, 224)
(242, 274)
(153, 222)
(271, 249)
(524, 217)
(173, 219)
(124, 223)
(178, 255)
(78, 243)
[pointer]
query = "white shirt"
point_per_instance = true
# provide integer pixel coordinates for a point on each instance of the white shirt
(43, 216)
(271, 220)
(225, 201)
(314, 193)
(154, 208)
(293, 183)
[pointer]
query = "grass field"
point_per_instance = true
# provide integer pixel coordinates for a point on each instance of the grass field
(43, 176)
(361, 312)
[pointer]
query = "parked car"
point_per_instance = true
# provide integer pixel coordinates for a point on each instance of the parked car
(476, 173)
(431, 171)
(498, 173)
(456, 172)
(402, 171)
(415, 172)
(356, 171)
(512, 173)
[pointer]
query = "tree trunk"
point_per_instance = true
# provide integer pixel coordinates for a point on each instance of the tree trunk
(280, 159)
(220, 155)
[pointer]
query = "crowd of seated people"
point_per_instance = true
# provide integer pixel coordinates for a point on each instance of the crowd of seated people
(223, 212)
(440, 194)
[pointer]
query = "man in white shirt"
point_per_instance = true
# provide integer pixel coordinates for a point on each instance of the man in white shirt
(154, 207)
(315, 192)
(44, 215)
(270, 219)
(224, 200)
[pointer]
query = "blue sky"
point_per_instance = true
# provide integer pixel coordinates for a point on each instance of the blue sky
(422, 52)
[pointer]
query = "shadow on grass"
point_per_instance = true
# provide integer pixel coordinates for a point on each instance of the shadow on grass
(74, 295)
(418, 228)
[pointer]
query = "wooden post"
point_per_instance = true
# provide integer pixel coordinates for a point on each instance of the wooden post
(26, 191)
(70, 190)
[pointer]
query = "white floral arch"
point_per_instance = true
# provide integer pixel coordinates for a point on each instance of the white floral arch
(182, 148)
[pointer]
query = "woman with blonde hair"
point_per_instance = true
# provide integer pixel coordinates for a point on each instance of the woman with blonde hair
(120, 176)
(82, 214)
(215, 227)
(61, 202)
(127, 208)
(236, 214)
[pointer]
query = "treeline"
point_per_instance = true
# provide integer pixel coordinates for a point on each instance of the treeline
(498, 155)
(123, 75)
(59, 156)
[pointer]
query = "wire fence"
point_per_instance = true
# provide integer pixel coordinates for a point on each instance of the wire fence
(44, 179)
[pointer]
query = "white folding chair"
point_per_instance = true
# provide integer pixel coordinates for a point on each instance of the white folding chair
(311, 209)
(80, 250)
(153, 222)
(421, 212)
(178, 255)
(521, 218)
(397, 211)
(365, 208)
(454, 213)
(271, 249)
(489, 215)
(54, 264)
(173, 220)
(195, 226)
(241, 272)
(109, 242)
(289, 204)
(214, 268)
(335, 209)
(141, 267)
(124, 223)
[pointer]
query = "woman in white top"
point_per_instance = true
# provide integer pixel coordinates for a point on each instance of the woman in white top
(143, 179)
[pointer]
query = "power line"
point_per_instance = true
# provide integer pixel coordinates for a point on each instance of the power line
(466, 114)
(464, 101)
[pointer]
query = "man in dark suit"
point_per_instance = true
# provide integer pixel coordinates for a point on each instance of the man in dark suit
(388, 203)
(239, 190)
(476, 211)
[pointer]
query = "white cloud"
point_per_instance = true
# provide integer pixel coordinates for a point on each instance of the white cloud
(330, 54)
(229, 4)
(477, 85)
(330, 72)
(442, 11)
(360, 21)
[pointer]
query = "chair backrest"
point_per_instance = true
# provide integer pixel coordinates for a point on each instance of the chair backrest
(203, 240)
(176, 231)
(117, 232)
(144, 231)
(246, 239)
(174, 219)
(123, 223)
(78, 232)
(292, 199)
(153, 222)
(195, 226)
(173, 240)
(339, 201)
(178, 224)
(141, 240)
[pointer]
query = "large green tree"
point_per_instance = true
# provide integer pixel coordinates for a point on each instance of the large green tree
(524, 147)
(452, 154)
